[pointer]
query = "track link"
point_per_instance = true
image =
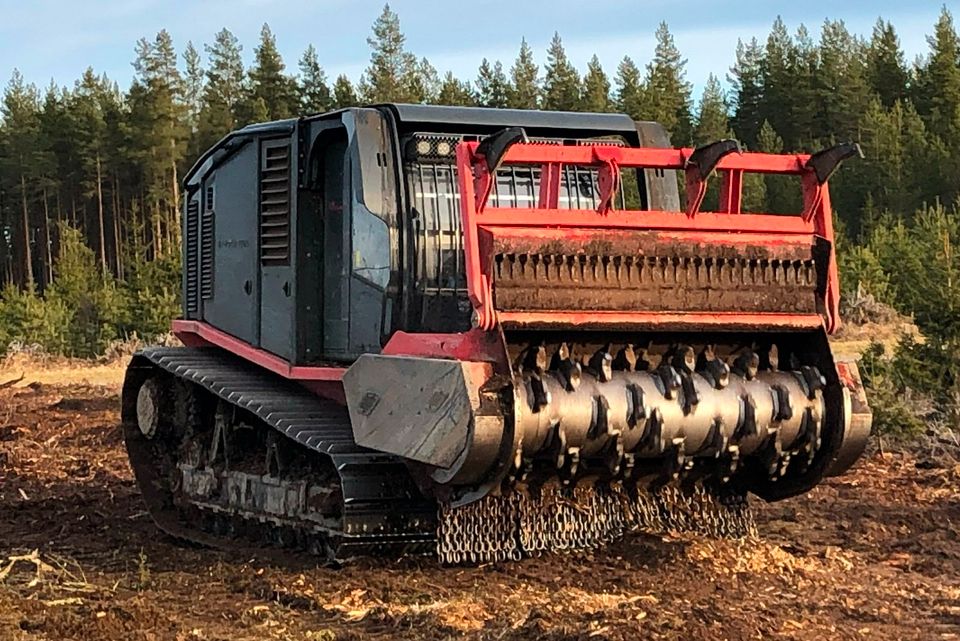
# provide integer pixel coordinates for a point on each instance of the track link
(382, 511)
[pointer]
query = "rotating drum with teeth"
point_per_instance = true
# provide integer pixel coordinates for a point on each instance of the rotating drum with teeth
(676, 412)
(614, 417)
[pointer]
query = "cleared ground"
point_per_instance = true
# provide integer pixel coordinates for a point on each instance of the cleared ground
(875, 555)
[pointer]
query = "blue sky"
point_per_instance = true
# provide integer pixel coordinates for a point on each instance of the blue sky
(58, 39)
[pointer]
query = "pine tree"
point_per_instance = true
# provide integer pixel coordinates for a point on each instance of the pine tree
(667, 91)
(712, 116)
(223, 91)
(561, 83)
(712, 124)
(803, 61)
(492, 85)
(393, 72)
(192, 85)
(768, 140)
(524, 80)
(268, 84)
(314, 93)
(886, 68)
(455, 92)
(747, 82)
(91, 131)
(779, 82)
(840, 83)
(54, 138)
(595, 92)
(938, 82)
(895, 172)
(344, 95)
(782, 192)
(20, 134)
(161, 135)
(423, 84)
(630, 91)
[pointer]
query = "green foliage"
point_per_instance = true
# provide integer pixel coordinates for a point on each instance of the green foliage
(493, 88)
(224, 88)
(269, 85)
(524, 89)
(90, 174)
(315, 96)
(886, 68)
(595, 93)
(894, 408)
(455, 92)
(630, 96)
(344, 95)
(561, 87)
(667, 90)
(152, 298)
(394, 74)
(30, 320)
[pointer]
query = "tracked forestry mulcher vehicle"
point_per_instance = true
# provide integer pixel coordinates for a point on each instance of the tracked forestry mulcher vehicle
(489, 333)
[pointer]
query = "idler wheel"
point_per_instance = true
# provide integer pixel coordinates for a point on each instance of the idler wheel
(148, 408)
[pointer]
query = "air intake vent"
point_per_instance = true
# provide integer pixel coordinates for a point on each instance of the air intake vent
(275, 203)
(206, 252)
(191, 258)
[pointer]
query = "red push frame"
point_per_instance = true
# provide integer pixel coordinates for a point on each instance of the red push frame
(482, 222)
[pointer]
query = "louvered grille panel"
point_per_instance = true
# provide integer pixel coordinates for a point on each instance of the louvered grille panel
(191, 258)
(275, 205)
(206, 253)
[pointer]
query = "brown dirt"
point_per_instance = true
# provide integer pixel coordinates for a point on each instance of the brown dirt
(873, 555)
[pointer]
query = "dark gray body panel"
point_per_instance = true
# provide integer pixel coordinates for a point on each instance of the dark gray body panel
(352, 271)
(234, 307)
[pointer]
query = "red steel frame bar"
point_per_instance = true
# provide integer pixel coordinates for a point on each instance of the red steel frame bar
(482, 222)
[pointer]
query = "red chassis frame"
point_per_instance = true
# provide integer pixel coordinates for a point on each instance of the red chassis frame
(481, 222)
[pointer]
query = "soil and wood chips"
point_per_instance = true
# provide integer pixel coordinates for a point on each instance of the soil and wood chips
(872, 555)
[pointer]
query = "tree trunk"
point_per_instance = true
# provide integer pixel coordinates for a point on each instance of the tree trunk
(27, 254)
(117, 254)
(157, 230)
(176, 194)
(103, 236)
(48, 255)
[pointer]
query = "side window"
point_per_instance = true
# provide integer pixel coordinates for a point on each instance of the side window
(375, 166)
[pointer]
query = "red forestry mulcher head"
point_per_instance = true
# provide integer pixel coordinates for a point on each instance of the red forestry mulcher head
(561, 355)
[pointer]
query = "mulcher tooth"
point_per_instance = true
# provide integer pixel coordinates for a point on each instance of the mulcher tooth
(770, 359)
(746, 364)
(712, 368)
(570, 374)
(534, 359)
(626, 359)
(562, 353)
(601, 364)
(684, 362)
(670, 379)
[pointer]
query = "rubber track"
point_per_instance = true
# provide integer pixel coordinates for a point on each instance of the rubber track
(383, 512)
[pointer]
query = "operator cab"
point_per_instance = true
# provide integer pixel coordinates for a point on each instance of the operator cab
(316, 239)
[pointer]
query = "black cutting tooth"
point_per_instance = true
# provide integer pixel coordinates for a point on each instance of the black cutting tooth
(561, 354)
(712, 368)
(601, 364)
(746, 364)
(626, 359)
(535, 359)
(684, 359)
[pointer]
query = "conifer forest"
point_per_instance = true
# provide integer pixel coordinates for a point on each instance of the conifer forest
(90, 172)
